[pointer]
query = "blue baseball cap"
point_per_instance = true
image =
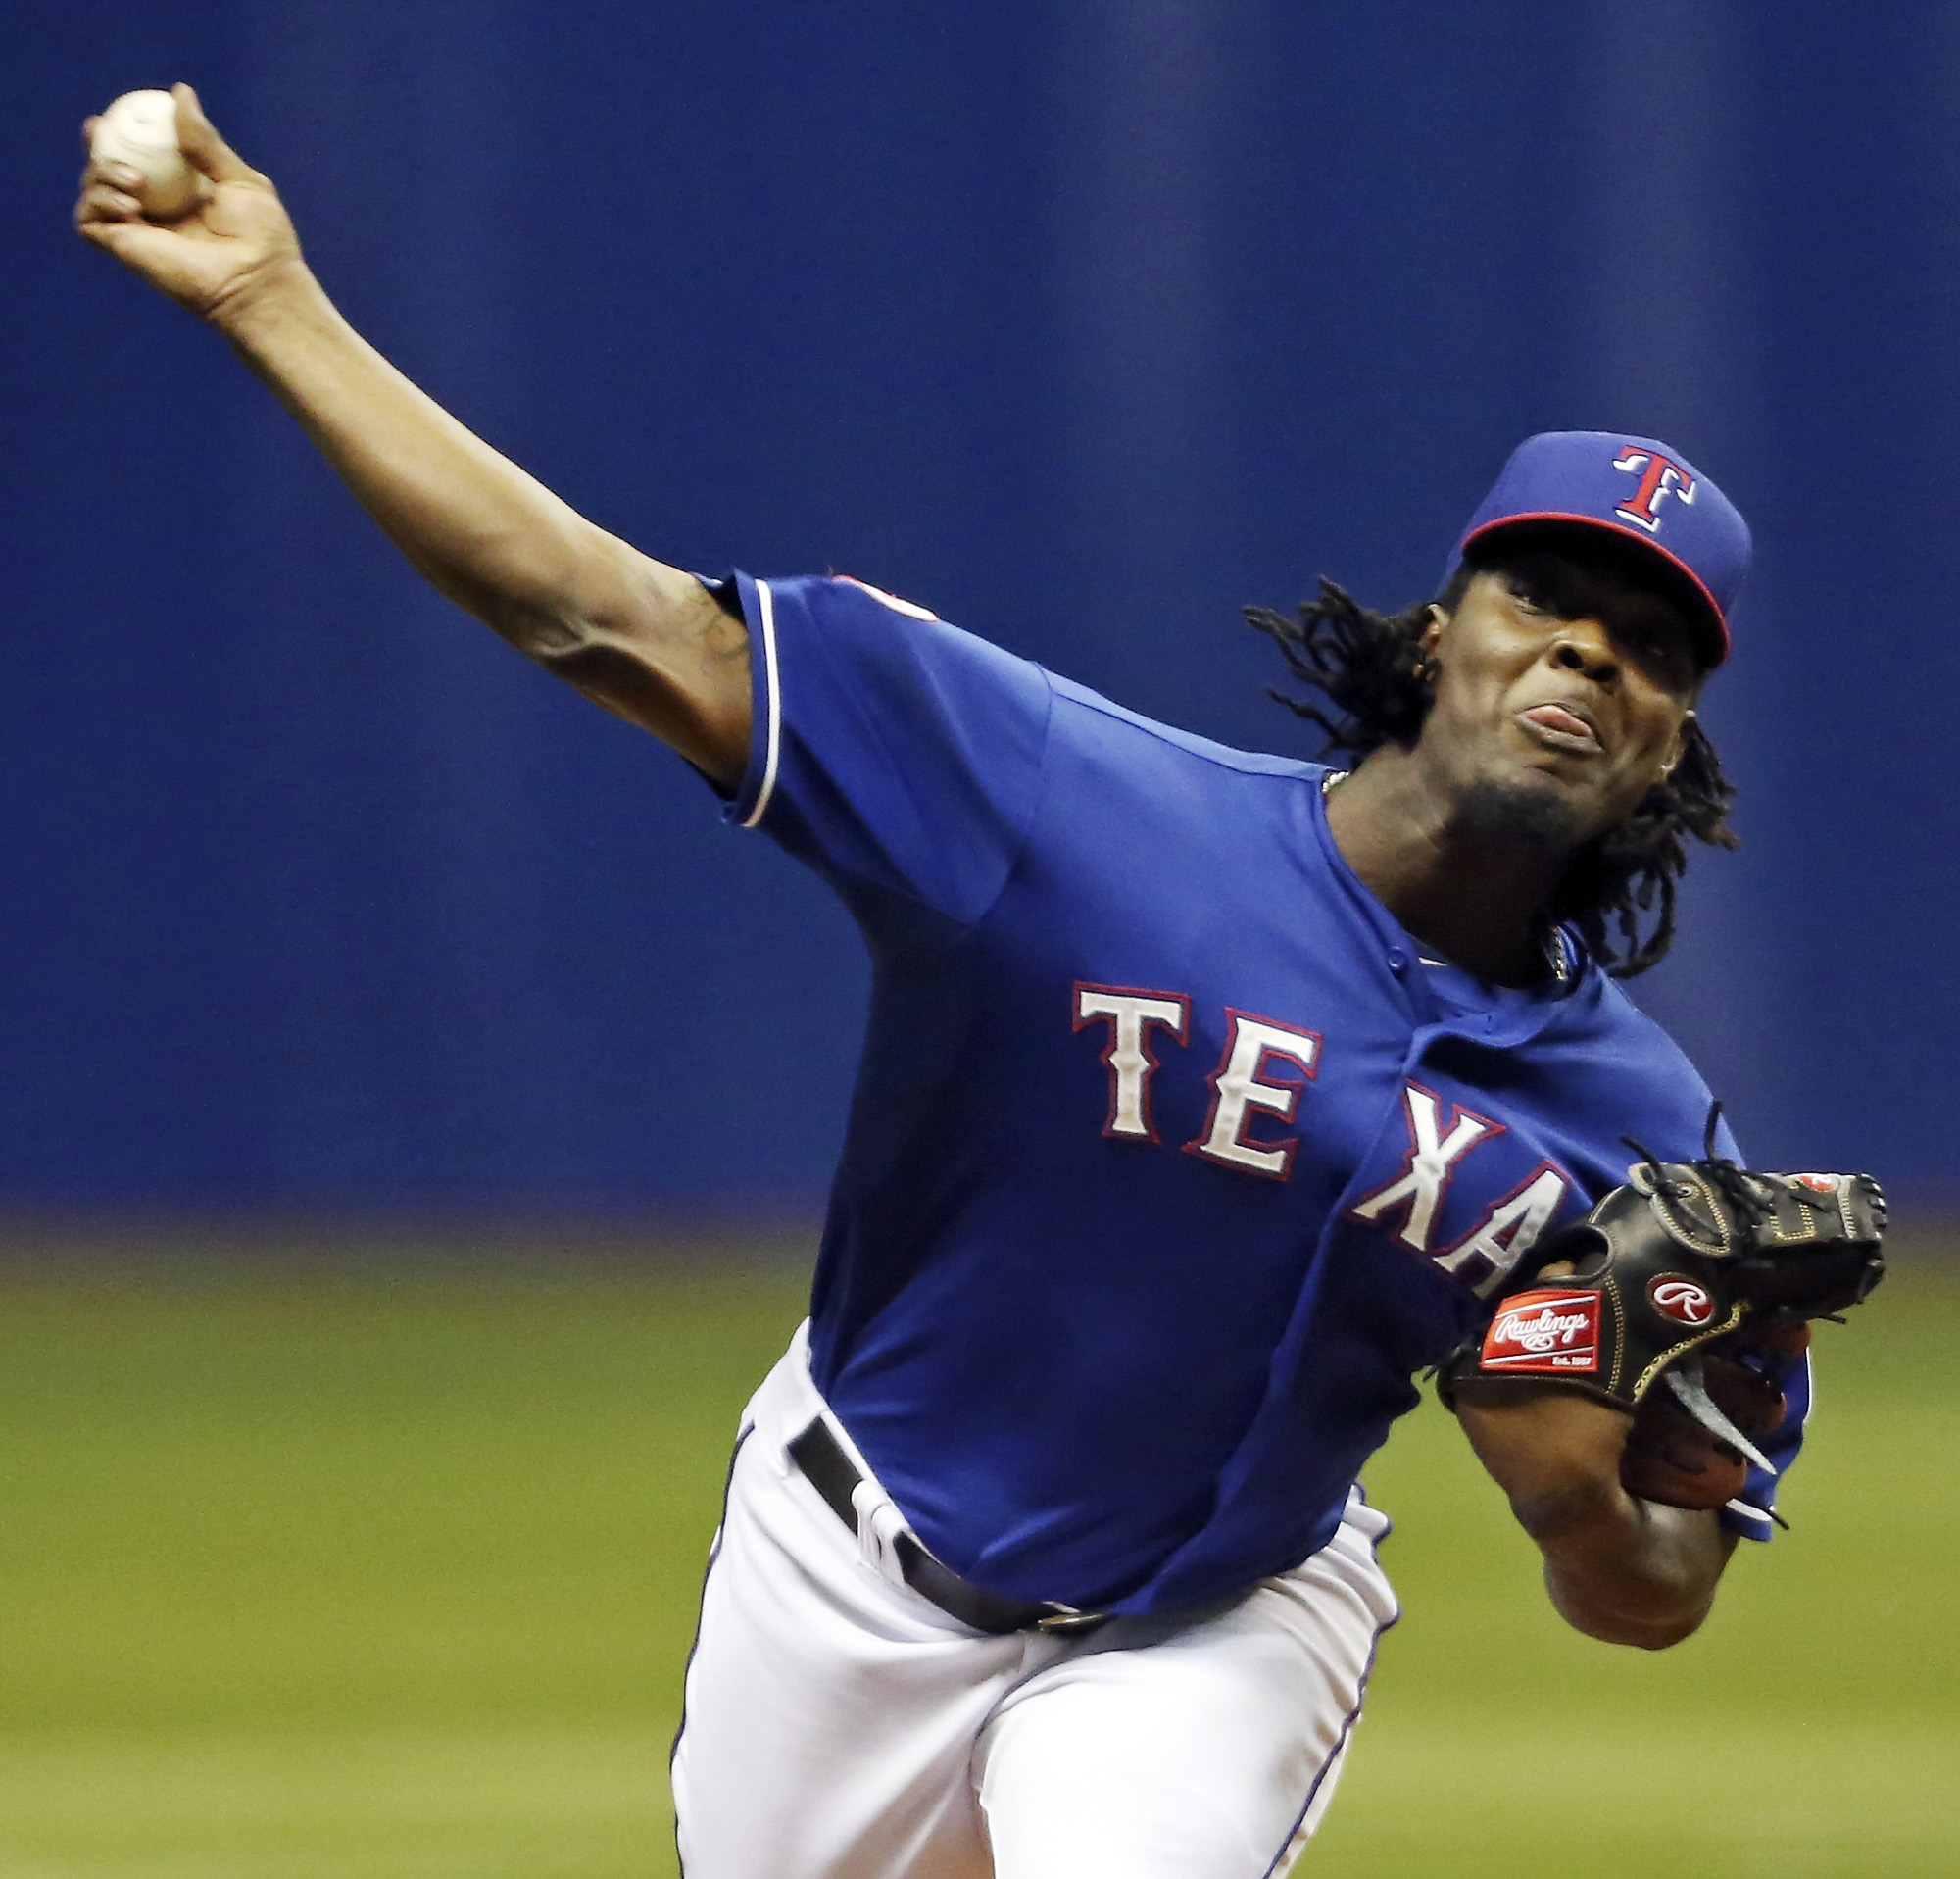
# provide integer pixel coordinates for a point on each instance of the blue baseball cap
(1637, 489)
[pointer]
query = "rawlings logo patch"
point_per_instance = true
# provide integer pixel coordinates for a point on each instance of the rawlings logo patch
(1552, 1333)
(1818, 1183)
(1681, 1300)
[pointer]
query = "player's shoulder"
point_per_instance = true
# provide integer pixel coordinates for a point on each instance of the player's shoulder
(1649, 1075)
(1093, 712)
(864, 622)
(1092, 716)
(1640, 1032)
(851, 591)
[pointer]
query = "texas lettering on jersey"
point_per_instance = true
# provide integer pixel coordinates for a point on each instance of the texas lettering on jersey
(1257, 1050)
(1508, 1227)
(1265, 1066)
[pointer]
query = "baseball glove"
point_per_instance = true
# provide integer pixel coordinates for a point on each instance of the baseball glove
(1680, 1299)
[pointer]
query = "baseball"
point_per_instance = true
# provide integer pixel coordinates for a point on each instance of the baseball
(140, 128)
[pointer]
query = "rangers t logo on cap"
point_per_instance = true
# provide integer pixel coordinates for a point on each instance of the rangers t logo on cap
(1660, 476)
(1582, 476)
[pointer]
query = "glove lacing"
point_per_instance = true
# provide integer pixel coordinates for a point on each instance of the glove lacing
(1735, 1186)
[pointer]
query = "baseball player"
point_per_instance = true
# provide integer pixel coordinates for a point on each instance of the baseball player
(1207, 1098)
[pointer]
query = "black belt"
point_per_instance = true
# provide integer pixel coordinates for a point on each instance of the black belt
(834, 1475)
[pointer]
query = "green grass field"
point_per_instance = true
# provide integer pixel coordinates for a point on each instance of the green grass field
(356, 1575)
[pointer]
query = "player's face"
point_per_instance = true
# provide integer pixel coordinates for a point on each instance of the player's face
(1563, 690)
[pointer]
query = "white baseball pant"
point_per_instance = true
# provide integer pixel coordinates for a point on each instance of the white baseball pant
(839, 1726)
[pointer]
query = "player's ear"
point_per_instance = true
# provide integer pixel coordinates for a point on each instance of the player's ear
(1677, 746)
(1426, 666)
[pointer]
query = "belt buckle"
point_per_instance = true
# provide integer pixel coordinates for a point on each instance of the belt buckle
(1064, 1621)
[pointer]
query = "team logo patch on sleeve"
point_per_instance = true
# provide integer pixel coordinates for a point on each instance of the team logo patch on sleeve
(1550, 1333)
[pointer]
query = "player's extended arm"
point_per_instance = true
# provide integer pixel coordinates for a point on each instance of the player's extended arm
(1623, 1570)
(639, 637)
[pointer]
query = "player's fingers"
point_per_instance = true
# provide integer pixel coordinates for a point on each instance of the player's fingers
(122, 239)
(113, 175)
(104, 202)
(88, 131)
(201, 144)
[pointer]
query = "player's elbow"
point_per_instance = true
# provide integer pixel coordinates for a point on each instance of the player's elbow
(1643, 1630)
(1651, 1603)
(1666, 1637)
(549, 586)
(1641, 1636)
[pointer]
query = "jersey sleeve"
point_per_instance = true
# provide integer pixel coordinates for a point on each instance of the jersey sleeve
(1749, 1514)
(890, 751)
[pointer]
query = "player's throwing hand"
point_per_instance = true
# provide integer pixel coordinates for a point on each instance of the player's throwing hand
(210, 259)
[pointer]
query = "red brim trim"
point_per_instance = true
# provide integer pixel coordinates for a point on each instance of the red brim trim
(1715, 616)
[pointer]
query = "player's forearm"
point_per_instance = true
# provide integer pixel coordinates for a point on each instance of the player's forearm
(1618, 1568)
(1627, 1571)
(490, 537)
(643, 640)
(637, 636)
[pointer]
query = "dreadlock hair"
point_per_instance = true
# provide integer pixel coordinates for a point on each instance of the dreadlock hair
(1369, 668)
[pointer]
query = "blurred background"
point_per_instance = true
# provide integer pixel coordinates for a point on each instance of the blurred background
(390, 1230)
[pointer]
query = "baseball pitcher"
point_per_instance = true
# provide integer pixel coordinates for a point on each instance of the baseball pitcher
(1209, 1098)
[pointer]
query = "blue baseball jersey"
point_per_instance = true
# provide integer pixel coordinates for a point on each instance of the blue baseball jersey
(1171, 1159)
